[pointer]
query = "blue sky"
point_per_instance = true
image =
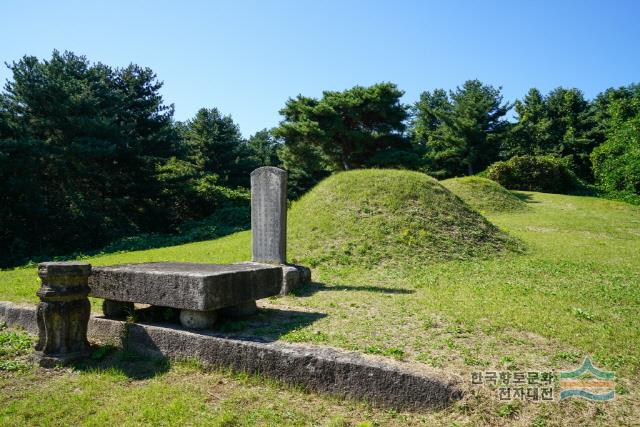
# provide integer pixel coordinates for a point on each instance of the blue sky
(248, 57)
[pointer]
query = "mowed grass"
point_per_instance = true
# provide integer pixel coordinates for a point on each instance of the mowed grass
(573, 291)
(484, 195)
(124, 389)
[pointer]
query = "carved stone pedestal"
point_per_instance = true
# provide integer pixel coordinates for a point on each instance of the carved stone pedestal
(63, 313)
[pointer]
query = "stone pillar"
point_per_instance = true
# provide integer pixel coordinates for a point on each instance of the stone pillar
(269, 215)
(63, 312)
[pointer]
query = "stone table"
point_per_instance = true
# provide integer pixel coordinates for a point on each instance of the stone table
(199, 291)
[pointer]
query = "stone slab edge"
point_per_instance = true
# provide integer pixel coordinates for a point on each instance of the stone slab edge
(322, 369)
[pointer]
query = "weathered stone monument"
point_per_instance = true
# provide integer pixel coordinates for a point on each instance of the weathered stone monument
(63, 312)
(202, 292)
(269, 215)
(269, 225)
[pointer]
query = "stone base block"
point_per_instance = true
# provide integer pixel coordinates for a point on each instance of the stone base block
(240, 310)
(198, 319)
(294, 276)
(52, 361)
(117, 309)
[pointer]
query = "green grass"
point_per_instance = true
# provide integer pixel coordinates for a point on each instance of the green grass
(14, 346)
(130, 391)
(484, 195)
(574, 291)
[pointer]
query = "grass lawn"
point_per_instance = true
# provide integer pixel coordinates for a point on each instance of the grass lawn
(570, 288)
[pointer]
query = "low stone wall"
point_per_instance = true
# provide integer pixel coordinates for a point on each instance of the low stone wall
(320, 369)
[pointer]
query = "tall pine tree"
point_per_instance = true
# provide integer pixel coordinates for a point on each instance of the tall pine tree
(79, 147)
(464, 130)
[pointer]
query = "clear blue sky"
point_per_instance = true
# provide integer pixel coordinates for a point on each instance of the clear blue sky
(248, 57)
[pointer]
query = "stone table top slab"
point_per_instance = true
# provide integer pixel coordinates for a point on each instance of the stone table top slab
(186, 285)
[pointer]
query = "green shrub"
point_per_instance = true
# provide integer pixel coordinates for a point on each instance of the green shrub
(546, 174)
(616, 163)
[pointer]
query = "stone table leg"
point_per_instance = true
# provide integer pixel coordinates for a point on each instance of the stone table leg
(117, 309)
(198, 319)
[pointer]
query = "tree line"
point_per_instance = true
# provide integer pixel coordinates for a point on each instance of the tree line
(91, 155)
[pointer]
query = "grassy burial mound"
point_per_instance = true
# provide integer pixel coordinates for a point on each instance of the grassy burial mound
(484, 194)
(388, 217)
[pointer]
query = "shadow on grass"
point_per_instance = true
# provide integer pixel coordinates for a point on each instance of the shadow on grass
(268, 324)
(111, 359)
(527, 198)
(311, 288)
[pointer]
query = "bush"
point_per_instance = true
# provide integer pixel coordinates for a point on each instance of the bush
(616, 163)
(533, 173)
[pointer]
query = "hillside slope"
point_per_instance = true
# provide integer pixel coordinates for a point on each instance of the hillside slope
(376, 217)
(484, 195)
